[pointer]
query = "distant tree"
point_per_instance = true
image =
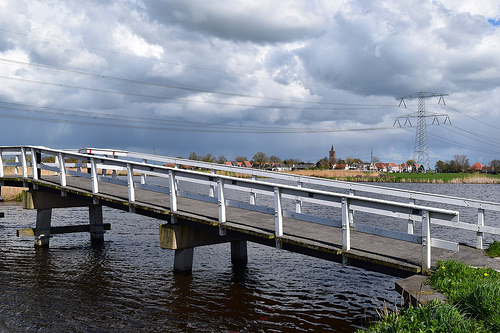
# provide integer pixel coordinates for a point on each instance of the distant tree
(340, 161)
(274, 159)
(293, 161)
(323, 163)
(241, 159)
(462, 162)
(221, 159)
(193, 156)
(440, 166)
(260, 158)
(208, 158)
(48, 159)
(410, 162)
(352, 160)
(495, 166)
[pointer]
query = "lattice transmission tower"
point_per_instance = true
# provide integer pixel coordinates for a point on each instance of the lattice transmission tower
(421, 153)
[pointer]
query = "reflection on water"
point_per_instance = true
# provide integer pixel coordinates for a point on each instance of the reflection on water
(126, 284)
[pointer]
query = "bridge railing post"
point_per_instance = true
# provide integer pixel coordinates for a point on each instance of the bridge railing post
(113, 173)
(173, 195)
(130, 178)
(479, 234)
(221, 202)
(253, 195)
(62, 169)
(143, 175)
(1, 164)
(211, 191)
(346, 228)
(351, 212)
(34, 164)
(93, 176)
(411, 223)
(298, 201)
(25, 164)
(16, 168)
(278, 214)
(426, 241)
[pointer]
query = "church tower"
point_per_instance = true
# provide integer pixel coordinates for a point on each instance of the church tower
(331, 156)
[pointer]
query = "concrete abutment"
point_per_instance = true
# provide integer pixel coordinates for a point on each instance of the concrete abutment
(45, 201)
(183, 239)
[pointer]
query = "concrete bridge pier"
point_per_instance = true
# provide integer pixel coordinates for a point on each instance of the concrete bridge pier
(96, 224)
(183, 239)
(183, 260)
(42, 228)
(239, 255)
(44, 202)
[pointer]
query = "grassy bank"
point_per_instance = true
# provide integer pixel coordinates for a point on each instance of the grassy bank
(434, 178)
(473, 303)
(12, 193)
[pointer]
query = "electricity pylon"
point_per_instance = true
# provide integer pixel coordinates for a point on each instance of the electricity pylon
(421, 154)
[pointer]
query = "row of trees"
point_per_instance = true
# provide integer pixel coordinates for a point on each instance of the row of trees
(460, 163)
(259, 157)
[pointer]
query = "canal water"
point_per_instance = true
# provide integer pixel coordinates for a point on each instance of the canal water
(126, 285)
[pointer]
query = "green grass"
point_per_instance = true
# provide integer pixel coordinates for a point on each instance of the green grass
(475, 291)
(494, 249)
(431, 317)
(473, 303)
(426, 178)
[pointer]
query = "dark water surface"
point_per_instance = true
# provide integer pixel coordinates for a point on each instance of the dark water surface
(127, 284)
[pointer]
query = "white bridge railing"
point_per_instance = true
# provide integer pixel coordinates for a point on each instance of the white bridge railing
(130, 164)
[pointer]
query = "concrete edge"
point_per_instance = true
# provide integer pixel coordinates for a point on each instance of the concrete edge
(415, 291)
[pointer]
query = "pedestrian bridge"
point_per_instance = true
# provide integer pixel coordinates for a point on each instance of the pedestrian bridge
(204, 203)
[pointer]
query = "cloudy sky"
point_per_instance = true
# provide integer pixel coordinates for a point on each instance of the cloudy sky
(288, 78)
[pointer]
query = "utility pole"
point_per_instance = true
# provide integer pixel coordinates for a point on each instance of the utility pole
(421, 152)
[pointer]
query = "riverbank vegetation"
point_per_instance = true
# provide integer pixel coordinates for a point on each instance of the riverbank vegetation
(494, 249)
(473, 303)
(433, 178)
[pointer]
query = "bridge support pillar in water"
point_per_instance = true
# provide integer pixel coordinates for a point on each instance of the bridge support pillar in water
(183, 260)
(42, 229)
(96, 224)
(239, 256)
(183, 239)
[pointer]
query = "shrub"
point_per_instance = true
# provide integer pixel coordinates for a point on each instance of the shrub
(494, 249)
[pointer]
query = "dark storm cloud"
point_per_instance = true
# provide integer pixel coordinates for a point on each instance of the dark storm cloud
(238, 20)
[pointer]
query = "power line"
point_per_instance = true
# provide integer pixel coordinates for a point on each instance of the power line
(462, 145)
(177, 100)
(179, 129)
(472, 136)
(473, 118)
(191, 89)
(139, 119)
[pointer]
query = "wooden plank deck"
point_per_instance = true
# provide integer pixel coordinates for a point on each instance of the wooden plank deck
(368, 251)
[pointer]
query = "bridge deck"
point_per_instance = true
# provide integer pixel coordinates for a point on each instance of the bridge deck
(369, 251)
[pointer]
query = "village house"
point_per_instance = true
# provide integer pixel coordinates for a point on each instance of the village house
(478, 167)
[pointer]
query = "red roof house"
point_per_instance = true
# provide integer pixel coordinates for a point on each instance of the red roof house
(476, 167)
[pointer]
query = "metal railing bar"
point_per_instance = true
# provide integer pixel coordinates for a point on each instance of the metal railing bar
(375, 189)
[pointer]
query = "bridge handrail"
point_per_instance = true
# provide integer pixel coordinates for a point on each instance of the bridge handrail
(374, 189)
(347, 202)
